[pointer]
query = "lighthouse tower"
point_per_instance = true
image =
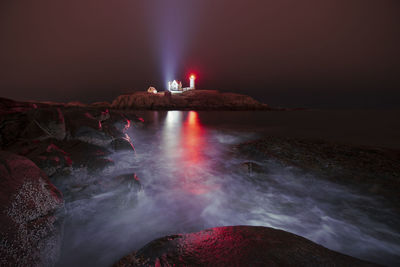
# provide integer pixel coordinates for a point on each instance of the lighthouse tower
(192, 78)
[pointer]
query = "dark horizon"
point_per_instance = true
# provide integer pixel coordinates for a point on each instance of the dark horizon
(333, 54)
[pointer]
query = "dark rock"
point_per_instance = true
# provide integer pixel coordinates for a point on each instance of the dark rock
(50, 121)
(118, 124)
(125, 188)
(35, 124)
(167, 94)
(104, 104)
(237, 246)
(371, 170)
(50, 158)
(75, 104)
(78, 120)
(99, 127)
(11, 127)
(40, 124)
(140, 100)
(128, 181)
(85, 155)
(58, 158)
(90, 125)
(252, 167)
(97, 164)
(112, 192)
(9, 106)
(92, 136)
(30, 232)
(122, 144)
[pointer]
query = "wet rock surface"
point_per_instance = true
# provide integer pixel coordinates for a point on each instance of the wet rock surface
(237, 246)
(30, 230)
(374, 171)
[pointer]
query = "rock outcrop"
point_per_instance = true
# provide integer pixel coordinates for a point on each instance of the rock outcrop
(56, 141)
(30, 231)
(372, 170)
(237, 246)
(60, 138)
(32, 123)
(189, 100)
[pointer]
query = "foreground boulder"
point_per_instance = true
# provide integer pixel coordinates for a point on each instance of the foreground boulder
(30, 232)
(237, 246)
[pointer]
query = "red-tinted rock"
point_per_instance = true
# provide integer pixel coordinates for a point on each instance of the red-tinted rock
(29, 229)
(237, 246)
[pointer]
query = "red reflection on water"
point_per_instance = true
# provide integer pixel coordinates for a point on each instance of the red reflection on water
(193, 139)
(193, 143)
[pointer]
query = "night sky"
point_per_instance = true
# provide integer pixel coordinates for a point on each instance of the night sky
(311, 53)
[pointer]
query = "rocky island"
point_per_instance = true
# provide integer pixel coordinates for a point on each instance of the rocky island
(141, 100)
(189, 100)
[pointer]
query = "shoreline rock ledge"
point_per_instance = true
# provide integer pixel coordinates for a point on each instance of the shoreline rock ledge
(237, 246)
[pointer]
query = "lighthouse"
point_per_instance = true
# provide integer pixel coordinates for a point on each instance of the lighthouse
(192, 78)
(176, 86)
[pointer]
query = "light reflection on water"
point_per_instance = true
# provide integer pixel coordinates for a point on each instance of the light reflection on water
(192, 180)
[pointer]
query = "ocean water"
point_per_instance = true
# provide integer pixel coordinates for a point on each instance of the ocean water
(192, 179)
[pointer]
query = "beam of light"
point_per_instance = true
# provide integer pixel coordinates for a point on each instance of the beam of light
(174, 26)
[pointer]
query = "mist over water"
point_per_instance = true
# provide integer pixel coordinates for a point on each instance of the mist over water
(192, 179)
